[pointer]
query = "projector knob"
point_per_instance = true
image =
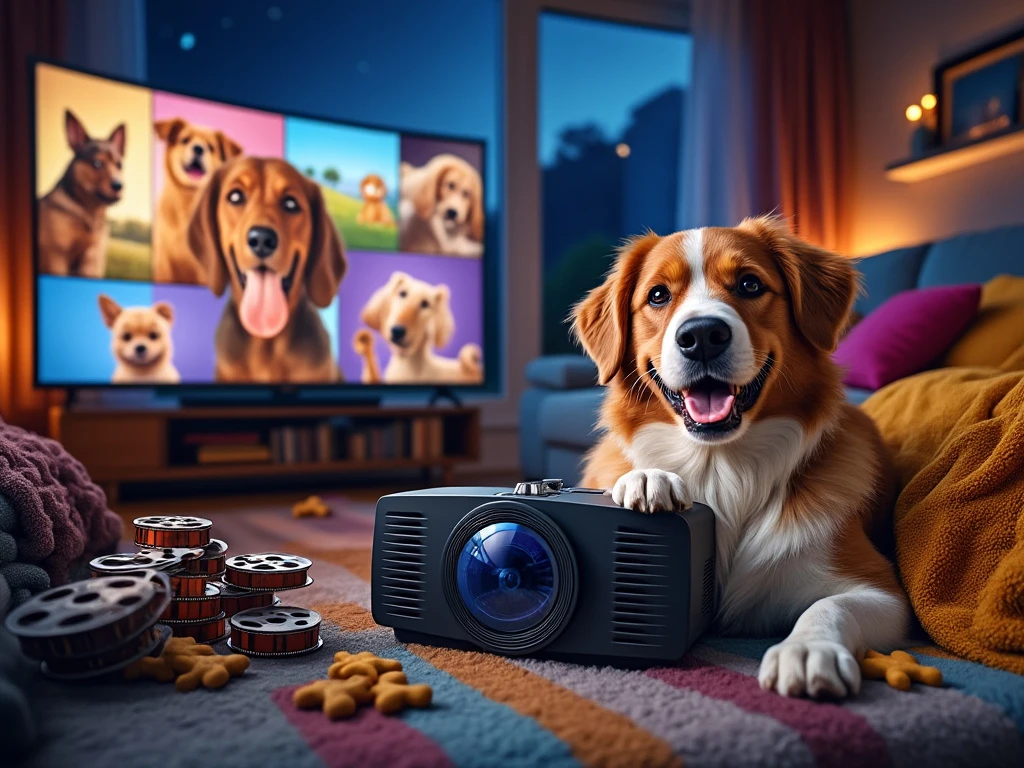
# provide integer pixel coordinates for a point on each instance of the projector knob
(547, 487)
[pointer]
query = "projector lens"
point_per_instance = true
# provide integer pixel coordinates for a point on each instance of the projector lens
(507, 577)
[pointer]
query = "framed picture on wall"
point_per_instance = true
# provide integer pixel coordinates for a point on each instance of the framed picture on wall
(980, 92)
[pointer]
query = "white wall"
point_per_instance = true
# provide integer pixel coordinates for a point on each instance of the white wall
(895, 45)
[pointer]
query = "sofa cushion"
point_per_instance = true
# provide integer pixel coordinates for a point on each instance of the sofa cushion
(998, 331)
(974, 258)
(562, 372)
(569, 418)
(887, 274)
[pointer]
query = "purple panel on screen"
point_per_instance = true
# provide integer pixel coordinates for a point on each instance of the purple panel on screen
(369, 270)
(196, 314)
(417, 151)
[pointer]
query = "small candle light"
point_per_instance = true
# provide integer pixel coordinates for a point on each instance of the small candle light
(913, 113)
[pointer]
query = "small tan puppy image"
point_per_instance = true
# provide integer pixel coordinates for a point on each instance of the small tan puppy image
(414, 318)
(441, 208)
(141, 342)
(73, 229)
(191, 154)
(375, 210)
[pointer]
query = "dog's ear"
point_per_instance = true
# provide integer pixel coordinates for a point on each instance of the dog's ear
(117, 138)
(426, 195)
(165, 310)
(476, 211)
(227, 147)
(375, 309)
(822, 285)
(75, 131)
(326, 263)
(168, 130)
(601, 321)
(444, 320)
(110, 309)
(204, 234)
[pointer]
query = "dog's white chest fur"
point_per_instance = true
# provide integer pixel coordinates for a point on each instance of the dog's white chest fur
(745, 483)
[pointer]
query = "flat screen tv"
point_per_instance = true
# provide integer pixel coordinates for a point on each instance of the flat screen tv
(181, 241)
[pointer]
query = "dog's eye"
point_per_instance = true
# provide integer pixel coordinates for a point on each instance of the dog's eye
(402, 294)
(126, 336)
(97, 164)
(187, 140)
(749, 287)
(236, 197)
(153, 335)
(659, 296)
(119, 165)
(424, 304)
(290, 204)
(451, 185)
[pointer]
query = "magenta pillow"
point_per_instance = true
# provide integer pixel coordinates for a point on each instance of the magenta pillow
(905, 334)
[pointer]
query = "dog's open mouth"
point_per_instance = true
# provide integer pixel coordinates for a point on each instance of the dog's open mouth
(709, 406)
(195, 169)
(263, 309)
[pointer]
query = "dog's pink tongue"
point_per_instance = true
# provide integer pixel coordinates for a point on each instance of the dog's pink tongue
(709, 406)
(264, 307)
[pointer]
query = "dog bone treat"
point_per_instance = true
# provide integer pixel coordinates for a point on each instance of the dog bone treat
(276, 630)
(337, 698)
(172, 531)
(312, 507)
(898, 669)
(267, 571)
(392, 693)
(210, 671)
(159, 667)
(367, 664)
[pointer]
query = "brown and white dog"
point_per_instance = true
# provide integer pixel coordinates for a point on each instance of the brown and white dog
(262, 232)
(191, 154)
(441, 207)
(715, 344)
(73, 229)
(140, 338)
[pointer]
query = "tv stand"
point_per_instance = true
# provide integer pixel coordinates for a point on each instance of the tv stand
(444, 393)
(279, 396)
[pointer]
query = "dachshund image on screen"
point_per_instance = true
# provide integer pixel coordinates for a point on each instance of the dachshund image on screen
(375, 210)
(73, 230)
(414, 318)
(191, 154)
(441, 208)
(261, 232)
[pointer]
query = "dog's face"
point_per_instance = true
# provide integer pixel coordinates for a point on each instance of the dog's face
(96, 168)
(453, 193)
(722, 326)
(193, 152)
(140, 336)
(410, 314)
(261, 228)
(373, 188)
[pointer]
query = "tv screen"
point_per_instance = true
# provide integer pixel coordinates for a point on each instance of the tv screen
(182, 241)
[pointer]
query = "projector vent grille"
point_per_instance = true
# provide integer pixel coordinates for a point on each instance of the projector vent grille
(707, 603)
(403, 564)
(640, 588)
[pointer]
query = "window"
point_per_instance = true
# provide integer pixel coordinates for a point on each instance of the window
(612, 98)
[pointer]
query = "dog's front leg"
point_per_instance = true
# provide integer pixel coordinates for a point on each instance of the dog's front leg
(819, 658)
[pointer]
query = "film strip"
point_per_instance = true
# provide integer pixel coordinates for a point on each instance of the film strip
(188, 585)
(194, 608)
(150, 642)
(157, 559)
(172, 531)
(280, 630)
(211, 630)
(235, 599)
(268, 572)
(211, 562)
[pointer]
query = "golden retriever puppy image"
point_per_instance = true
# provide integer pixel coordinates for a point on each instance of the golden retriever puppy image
(191, 154)
(73, 229)
(141, 342)
(375, 210)
(441, 208)
(414, 318)
(260, 230)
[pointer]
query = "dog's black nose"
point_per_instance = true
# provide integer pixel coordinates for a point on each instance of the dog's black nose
(262, 241)
(703, 338)
(450, 214)
(197, 150)
(140, 350)
(116, 185)
(397, 333)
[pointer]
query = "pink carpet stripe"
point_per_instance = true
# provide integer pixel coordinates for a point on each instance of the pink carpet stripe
(367, 739)
(835, 736)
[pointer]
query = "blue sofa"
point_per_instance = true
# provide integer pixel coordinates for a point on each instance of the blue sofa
(557, 414)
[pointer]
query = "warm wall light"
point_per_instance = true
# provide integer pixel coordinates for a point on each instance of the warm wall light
(928, 101)
(913, 113)
(622, 150)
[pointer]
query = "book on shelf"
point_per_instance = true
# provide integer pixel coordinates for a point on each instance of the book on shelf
(233, 454)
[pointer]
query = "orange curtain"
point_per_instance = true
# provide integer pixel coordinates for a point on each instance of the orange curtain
(27, 28)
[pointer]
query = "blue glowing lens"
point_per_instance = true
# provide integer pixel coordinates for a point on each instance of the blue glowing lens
(507, 577)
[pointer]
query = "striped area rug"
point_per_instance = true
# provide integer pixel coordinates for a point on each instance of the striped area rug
(490, 711)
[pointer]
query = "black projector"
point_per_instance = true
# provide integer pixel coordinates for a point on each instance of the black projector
(541, 570)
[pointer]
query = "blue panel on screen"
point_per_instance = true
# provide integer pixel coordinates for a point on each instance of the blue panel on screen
(73, 342)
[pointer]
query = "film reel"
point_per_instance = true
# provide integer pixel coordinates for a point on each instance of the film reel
(268, 571)
(172, 531)
(280, 630)
(157, 559)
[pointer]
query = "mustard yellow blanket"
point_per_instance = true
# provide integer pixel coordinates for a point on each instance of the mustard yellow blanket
(957, 437)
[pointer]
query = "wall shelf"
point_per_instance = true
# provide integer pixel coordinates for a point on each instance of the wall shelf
(948, 159)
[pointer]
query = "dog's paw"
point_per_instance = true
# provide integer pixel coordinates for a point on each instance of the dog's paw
(362, 341)
(651, 490)
(821, 669)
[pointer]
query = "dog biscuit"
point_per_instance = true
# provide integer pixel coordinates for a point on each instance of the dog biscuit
(336, 698)
(392, 693)
(367, 664)
(314, 506)
(208, 671)
(898, 669)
